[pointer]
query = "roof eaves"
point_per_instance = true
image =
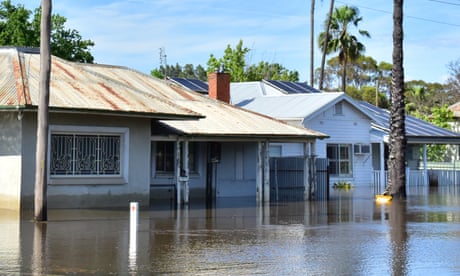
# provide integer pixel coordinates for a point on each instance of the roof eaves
(158, 116)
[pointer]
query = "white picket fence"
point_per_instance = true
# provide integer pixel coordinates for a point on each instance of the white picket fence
(437, 174)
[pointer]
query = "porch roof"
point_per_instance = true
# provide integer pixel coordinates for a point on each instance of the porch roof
(417, 131)
(225, 121)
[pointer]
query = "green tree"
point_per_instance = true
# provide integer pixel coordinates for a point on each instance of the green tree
(21, 27)
(441, 117)
(233, 61)
(177, 71)
(270, 71)
(341, 40)
(383, 78)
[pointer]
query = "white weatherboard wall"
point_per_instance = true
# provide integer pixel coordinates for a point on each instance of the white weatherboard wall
(352, 127)
(10, 160)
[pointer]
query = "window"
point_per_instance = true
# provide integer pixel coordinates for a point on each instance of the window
(88, 155)
(339, 156)
(165, 157)
(361, 149)
(73, 154)
(338, 109)
(275, 151)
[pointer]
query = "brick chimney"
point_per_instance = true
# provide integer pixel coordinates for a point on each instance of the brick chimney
(219, 86)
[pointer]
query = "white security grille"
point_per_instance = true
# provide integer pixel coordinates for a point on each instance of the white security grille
(74, 154)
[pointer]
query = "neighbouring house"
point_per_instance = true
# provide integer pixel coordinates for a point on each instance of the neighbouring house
(454, 151)
(117, 135)
(357, 146)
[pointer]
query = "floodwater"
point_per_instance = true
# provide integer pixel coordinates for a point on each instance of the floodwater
(348, 235)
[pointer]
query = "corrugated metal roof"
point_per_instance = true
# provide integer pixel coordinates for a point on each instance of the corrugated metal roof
(241, 92)
(77, 86)
(103, 88)
(416, 129)
(228, 120)
(292, 106)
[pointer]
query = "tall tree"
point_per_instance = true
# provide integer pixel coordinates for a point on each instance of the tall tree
(21, 27)
(40, 190)
(397, 158)
(234, 62)
(324, 45)
(340, 39)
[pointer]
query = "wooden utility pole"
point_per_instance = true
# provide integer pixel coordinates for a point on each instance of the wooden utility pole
(312, 42)
(40, 191)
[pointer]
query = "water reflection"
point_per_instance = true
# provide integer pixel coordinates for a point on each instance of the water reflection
(348, 235)
(399, 236)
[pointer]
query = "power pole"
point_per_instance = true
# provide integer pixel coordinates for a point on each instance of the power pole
(163, 61)
(312, 41)
(40, 191)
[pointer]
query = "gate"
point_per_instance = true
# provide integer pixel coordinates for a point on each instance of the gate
(286, 179)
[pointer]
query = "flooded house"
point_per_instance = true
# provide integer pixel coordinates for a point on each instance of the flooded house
(357, 146)
(117, 135)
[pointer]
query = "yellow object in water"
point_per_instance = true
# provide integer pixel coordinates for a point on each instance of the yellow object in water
(383, 198)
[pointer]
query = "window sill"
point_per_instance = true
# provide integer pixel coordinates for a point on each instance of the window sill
(76, 180)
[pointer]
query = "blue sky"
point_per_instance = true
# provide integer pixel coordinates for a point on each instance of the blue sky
(131, 32)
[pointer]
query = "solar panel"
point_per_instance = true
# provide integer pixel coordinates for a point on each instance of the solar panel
(192, 84)
(292, 87)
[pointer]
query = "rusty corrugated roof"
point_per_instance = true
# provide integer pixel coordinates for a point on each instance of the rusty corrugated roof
(78, 86)
(92, 87)
(222, 119)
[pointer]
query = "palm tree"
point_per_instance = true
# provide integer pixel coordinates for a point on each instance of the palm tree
(324, 45)
(341, 40)
(396, 162)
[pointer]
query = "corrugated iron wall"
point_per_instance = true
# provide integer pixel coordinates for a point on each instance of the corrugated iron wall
(286, 179)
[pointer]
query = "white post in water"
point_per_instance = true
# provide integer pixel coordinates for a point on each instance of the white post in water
(133, 222)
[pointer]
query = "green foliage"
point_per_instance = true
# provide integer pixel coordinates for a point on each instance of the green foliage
(341, 40)
(270, 71)
(422, 97)
(233, 61)
(440, 116)
(21, 27)
(177, 71)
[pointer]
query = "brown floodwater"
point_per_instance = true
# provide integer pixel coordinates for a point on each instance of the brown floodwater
(348, 235)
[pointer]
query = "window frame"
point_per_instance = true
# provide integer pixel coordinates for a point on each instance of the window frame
(339, 160)
(338, 109)
(91, 179)
(193, 158)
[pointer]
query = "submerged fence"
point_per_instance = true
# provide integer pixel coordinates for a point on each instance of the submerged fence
(287, 178)
(436, 174)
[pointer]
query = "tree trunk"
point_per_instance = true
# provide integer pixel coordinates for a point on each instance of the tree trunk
(344, 75)
(396, 162)
(40, 191)
(326, 41)
(312, 41)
